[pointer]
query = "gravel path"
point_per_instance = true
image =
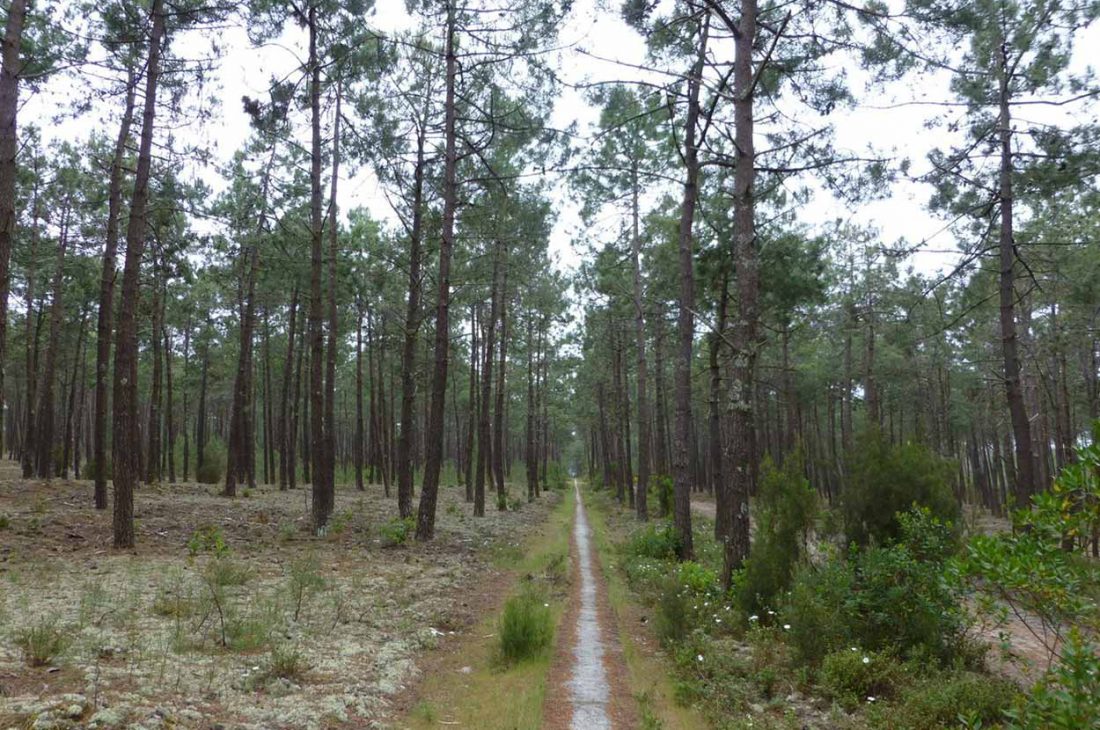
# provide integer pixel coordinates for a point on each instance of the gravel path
(589, 689)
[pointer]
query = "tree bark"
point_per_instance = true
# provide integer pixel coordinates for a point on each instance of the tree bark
(127, 444)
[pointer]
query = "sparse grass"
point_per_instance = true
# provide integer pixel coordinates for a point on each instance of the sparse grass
(43, 642)
(226, 571)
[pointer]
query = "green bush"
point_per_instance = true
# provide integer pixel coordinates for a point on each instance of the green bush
(950, 700)
(785, 510)
(5, 522)
(658, 541)
(904, 597)
(884, 480)
(396, 531)
(815, 609)
(286, 663)
(526, 627)
(207, 539)
(42, 642)
(225, 571)
(662, 484)
(851, 676)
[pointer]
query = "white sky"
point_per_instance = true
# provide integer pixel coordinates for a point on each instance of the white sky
(245, 70)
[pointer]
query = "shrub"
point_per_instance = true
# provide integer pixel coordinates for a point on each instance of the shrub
(225, 571)
(286, 663)
(815, 608)
(396, 531)
(1068, 696)
(658, 541)
(964, 698)
(207, 539)
(662, 483)
(674, 609)
(885, 480)
(42, 642)
(785, 510)
(851, 676)
(305, 579)
(526, 627)
(5, 522)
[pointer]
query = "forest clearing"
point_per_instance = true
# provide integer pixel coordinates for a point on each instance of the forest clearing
(558, 364)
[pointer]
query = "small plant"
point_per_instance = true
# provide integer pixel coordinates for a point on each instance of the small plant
(502, 502)
(396, 531)
(5, 522)
(43, 642)
(287, 532)
(657, 541)
(247, 493)
(526, 627)
(286, 662)
(225, 571)
(663, 486)
(208, 539)
(1068, 696)
(961, 699)
(247, 634)
(305, 580)
(515, 504)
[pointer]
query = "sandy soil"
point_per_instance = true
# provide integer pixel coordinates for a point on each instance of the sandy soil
(145, 632)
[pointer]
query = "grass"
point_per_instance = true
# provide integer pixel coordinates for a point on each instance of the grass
(526, 626)
(42, 643)
(475, 689)
(650, 676)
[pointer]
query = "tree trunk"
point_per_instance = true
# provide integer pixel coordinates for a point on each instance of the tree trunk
(644, 456)
(152, 462)
(681, 451)
(44, 456)
(127, 444)
(357, 447)
(498, 414)
(330, 358)
(472, 411)
(170, 443)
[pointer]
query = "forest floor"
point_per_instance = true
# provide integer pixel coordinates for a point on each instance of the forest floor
(230, 614)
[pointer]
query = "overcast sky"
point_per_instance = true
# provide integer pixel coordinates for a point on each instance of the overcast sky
(899, 130)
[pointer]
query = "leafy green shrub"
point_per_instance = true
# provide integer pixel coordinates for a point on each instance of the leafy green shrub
(851, 676)
(785, 510)
(42, 642)
(884, 480)
(396, 531)
(674, 610)
(526, 626)
(950, 700)
(658, 541)
(815, 609)
(5, 522)
(907, 594)
(1068, 696)
(905, 597)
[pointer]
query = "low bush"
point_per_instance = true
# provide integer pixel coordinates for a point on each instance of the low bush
(526, 627)
(225, 571)
(43, 642)
(815, 606)
(207, 540)
(286, 662)
(886, 479)
(1068, 696)
(852, 676)
(657, 541)
(662, 485)
(965, 699)
(396, 531)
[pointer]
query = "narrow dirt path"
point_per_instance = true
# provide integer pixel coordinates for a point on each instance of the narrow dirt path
(587, 687)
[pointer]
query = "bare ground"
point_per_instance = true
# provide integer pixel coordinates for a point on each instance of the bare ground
(145, 632)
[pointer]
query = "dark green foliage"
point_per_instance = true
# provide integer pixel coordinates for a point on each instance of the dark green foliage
(903, 597)
(785, 509)
(207, 540)
(884, 480)
(526, 627)
(286, 663)
(212, 470)
(662, 483)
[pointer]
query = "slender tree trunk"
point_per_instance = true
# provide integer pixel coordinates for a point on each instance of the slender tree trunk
(714, 420)
(127, 444)
(472, 411)
(285, 432)
(484, 442)
(1024, 482)
(742, 434)
(152, 463)
(330, 361)
(170, 444)
(498, 414)
(681, 452)
(74, 388)
(44, 453)
(357, 447)
(408, 350)
(642, 384)
(30, 368)
(425, 526)
(9, 166)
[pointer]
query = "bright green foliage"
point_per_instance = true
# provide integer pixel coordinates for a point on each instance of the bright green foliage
(396, 531)
(786, 506)
(1069, 696)
(526, 627)
(886, 479)
(208, 540)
